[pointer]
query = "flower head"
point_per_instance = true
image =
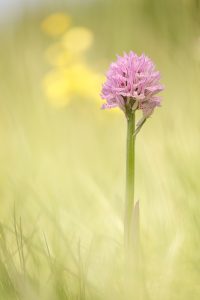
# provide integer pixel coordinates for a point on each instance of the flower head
(132, 83)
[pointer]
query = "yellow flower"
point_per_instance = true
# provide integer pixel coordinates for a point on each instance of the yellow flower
(83, 81)
(56, 24)
(78, 39)
(56, 87)
(76, 80)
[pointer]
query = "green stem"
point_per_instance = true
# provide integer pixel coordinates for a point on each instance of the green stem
(130, 174)
(133, 271)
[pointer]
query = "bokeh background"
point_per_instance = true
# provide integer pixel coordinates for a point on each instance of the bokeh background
(62, 158)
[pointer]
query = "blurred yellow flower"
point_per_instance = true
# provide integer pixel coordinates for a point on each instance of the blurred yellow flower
(56, 87)
(84, 81)
(56, 24)
(70, 75)
(76, 80)
(57, 55)
(78, 39)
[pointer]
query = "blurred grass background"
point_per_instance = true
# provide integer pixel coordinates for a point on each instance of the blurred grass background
(63, 159)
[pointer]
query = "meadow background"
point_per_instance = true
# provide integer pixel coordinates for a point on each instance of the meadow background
(62, 158)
